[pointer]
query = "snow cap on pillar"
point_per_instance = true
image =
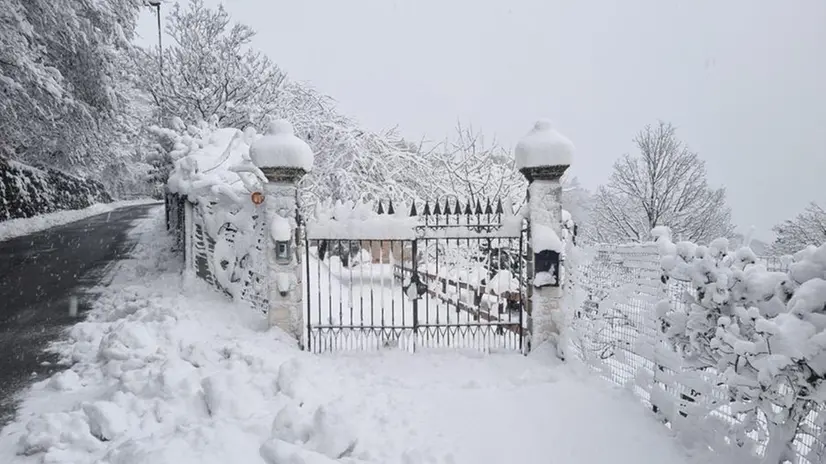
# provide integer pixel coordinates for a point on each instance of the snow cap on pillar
(280, 148)
(543, 146)
(543, 153)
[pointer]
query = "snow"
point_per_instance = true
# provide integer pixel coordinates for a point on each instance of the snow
(281, 148)
(359, 221)
(809, 298)
(166, 371)
(280, 229)
(543, 146)
(545, 238)
(210, 158)
(761, 334)
(283, 281)
(503, 281)
(25, 226)
(543, 279)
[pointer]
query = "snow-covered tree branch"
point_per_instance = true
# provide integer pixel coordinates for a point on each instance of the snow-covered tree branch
(807, 228)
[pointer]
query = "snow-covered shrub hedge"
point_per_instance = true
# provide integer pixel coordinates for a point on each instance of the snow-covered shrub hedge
(27, 191)
(763, 333)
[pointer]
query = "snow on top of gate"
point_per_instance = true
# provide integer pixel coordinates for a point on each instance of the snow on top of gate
(361, 221)
(543, 146)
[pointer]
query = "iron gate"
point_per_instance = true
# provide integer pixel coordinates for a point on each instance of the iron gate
(459, 283)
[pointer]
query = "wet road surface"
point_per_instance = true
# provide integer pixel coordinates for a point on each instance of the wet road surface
(40, 275)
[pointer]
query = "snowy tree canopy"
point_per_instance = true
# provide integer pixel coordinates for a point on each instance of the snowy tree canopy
(350, 163)
(665, 185)
(209, 70)
(807, 228)
(65, 101)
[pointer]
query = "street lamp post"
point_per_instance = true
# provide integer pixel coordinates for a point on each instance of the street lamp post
(157, 5)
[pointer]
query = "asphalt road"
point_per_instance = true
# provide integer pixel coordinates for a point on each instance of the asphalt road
(40, 275)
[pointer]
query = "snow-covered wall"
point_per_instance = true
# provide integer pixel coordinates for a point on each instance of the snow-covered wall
(213, 173)
(27, 191)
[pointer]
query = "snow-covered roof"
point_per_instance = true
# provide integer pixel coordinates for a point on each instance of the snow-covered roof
(281, 148)
(543, 146)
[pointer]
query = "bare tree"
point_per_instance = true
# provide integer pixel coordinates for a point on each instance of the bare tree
(807, 228)
(472, 168)
(665, 185)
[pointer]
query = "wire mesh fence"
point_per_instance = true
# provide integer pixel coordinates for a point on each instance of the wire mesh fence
(616, 332)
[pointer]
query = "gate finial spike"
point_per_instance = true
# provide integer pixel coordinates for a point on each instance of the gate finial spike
(390, 209)
(426, 211)
(437, 210)
(381, 208)
(468, 208)
(508, 207)
(478, 207)
(413, 211)
(499, 209)
(446, 209)
(488, 207)
(458, 209)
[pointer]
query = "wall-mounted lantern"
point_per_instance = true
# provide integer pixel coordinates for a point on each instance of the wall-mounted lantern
(282, 252)
(282, 235)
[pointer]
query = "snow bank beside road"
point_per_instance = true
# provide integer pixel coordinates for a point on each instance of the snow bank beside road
(162, 376)
(24, 226)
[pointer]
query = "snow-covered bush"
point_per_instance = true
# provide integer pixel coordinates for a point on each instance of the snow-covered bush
(763, 333)
(67, 101)
(26, 191)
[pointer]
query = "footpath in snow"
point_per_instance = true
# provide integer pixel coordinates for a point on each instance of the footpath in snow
(24, 226)
(160, 375)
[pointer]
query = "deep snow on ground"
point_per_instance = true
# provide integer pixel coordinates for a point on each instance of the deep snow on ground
(24, 226)
(164, 375)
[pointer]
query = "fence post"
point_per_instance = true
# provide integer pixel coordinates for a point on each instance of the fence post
(284, 159)
(189, 234)
(543, 156)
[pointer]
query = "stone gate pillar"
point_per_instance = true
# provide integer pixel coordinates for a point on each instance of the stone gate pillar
(284, 160)
(542, 156)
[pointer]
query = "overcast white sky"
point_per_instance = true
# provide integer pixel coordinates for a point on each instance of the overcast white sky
(743, 80)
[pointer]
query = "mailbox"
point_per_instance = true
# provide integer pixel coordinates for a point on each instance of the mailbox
(547, 261)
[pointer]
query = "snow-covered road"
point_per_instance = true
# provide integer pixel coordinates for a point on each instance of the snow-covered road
(160, 375)
(41, 273)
